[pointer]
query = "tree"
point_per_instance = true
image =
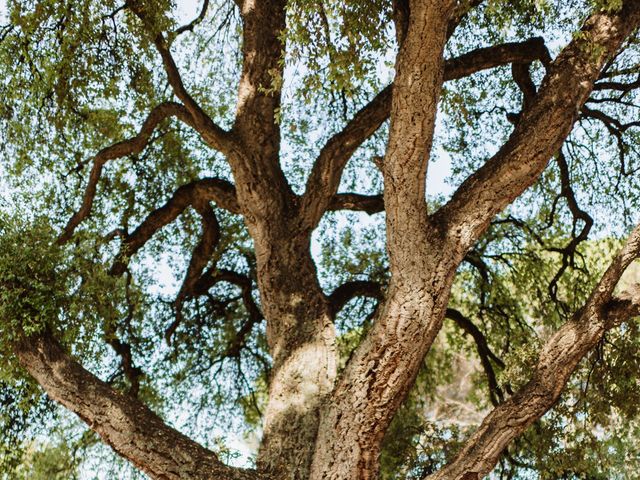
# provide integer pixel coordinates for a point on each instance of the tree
(239, 158)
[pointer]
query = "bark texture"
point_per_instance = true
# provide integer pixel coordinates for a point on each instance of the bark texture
(380, 373)
(122, 422)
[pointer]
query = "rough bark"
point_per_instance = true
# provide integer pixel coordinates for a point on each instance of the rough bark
(378, 376)
(124, 423)
(324, 179)
(541, 129)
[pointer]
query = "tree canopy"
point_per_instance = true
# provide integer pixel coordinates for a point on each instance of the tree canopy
(318, 239)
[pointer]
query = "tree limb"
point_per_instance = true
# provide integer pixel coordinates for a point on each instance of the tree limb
(484, 352)
(213, 135)
(200, 258)
(350, 290)
(214, 276)
(196, 21)
(371, 385)
(126, 147)
(123, 422)
(558, 359)
(262, 186)
(203, 190)
(541, 129)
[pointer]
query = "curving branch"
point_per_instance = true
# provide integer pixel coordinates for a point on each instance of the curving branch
(616, 129)
(200, 258)
(350, 290)
(195, 22)
(558, 359)
(325, 176)
(460, 13)
(214, 276)
(123, 422)
(130, 146)
(569, 251)
(194, 193)
(484, 352)
(213, 135)
(541, 129)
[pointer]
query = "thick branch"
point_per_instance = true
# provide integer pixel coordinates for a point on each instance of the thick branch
(325, 177)
(558, 359)
(358, 203)
(127, 147)
(206, 189)
(541, 129)
(124, 423)
(368, 388)
(263, 189)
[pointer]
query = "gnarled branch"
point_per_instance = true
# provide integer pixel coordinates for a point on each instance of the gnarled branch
(206, 189)
(558, 359)
(126, 147)
(215, 136)
(123, 422)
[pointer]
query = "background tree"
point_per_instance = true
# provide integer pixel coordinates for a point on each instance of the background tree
(272, 158)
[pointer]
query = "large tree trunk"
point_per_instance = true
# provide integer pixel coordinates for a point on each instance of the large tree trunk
(301, 339)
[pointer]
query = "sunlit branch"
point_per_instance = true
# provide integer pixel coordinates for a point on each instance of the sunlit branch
(540, 131)
(150, 444)
(558, 359)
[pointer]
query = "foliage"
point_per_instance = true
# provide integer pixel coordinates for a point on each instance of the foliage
(83, 75)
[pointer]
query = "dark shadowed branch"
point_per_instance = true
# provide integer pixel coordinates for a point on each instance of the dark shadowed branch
(203, 190)
(121, 149)
(484, 352)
